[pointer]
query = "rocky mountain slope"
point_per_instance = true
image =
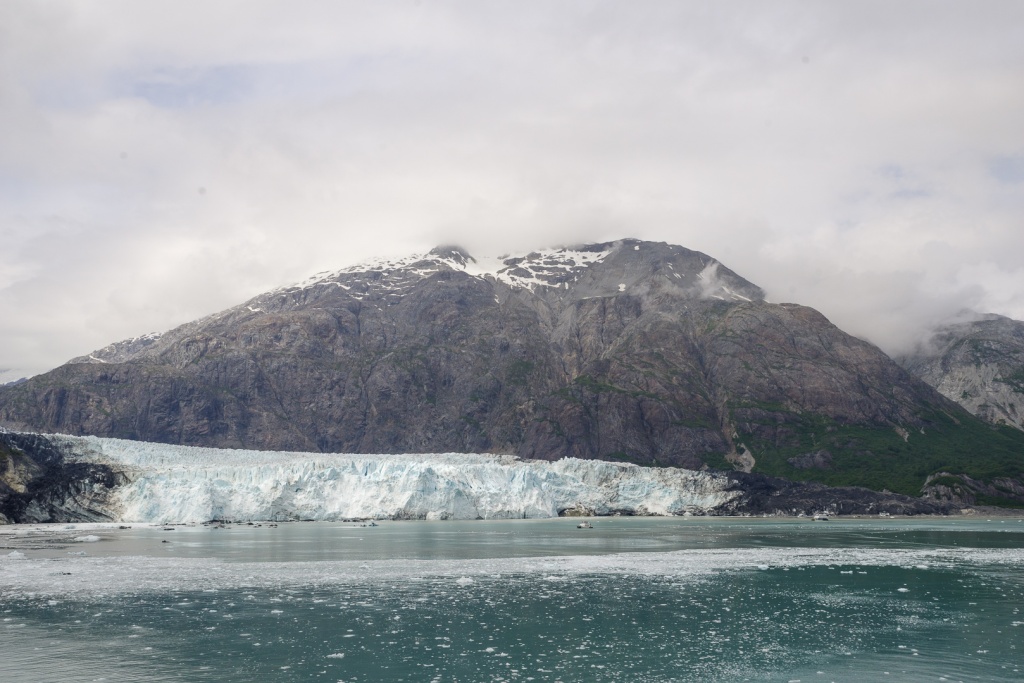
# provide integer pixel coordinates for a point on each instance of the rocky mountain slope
(633, 351)
(979, 364)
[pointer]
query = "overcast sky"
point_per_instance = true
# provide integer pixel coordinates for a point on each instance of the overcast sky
(160, 161)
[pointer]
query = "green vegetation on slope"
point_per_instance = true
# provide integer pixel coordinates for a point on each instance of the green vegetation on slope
(881, 459)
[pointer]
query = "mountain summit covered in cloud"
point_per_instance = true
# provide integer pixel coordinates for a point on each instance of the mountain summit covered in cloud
(628, 350)
(977, 363)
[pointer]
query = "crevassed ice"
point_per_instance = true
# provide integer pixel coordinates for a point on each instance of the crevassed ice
(188, 484)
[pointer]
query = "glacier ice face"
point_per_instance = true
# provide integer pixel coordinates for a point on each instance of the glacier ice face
(168, 483)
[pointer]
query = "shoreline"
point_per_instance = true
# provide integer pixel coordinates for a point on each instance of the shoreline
(20, 529)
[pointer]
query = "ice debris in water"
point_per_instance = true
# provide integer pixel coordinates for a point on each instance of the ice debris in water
(116, 575)
(91, 538)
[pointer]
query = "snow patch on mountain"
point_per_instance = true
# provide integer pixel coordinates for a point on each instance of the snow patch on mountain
(120, 351)
(580, 272)
(545, 268)
(549, 267)
(168, 483)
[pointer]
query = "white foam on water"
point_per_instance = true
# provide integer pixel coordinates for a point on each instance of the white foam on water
(89, 577)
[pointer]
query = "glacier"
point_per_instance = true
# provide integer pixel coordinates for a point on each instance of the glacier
(168, 483)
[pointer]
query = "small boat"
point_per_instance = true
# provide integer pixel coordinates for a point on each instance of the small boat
(820, 517)
(584, 525)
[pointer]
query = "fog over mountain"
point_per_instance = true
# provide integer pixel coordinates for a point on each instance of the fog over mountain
(163, 161)
(979, 363)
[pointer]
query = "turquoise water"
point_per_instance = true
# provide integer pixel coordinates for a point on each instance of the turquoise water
(630, 600)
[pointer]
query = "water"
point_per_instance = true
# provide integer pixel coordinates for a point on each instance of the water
(634, 599)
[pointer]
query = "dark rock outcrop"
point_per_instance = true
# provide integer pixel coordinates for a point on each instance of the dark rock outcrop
(37, 483)
(966, 491)
(763, 495)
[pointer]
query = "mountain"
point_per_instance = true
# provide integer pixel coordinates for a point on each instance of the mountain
(634, 351)
(979, 364)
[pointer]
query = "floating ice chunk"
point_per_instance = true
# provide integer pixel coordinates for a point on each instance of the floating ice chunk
(91, 538)
(15, 555)
(903, 590)
(464, 581)
(336, 655)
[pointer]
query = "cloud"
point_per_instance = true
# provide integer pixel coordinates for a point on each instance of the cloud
(1009, 170)
(167, 160)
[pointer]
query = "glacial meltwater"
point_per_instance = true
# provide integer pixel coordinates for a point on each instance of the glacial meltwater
(631, 599)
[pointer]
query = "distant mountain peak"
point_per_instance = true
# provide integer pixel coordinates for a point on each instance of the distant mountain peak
(451, 252)
(554, 268)
(557, 274)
